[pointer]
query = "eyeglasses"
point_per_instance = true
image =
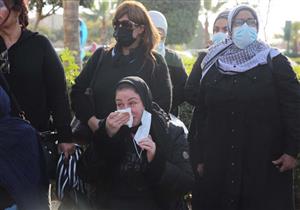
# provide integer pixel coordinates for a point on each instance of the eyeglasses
(128, 24)
(240, 22)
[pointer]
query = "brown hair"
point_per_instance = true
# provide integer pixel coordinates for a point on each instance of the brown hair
(18, 6)
(137, 13)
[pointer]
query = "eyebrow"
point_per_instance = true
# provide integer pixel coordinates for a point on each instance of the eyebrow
(132, 98)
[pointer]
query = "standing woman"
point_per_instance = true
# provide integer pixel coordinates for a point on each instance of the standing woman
(191, 89)
(132, 55)
(174, 62)
(249, 122)
(35, 74)
(220, 30)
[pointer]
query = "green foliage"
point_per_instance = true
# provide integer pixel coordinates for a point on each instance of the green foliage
(297, 71)
(71, 68)
(197, 42)
(186, 113)
(54, 3)
(297, 60)
(181, 15)
(188, 63)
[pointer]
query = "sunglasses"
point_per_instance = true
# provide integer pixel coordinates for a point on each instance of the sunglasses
(128, 24)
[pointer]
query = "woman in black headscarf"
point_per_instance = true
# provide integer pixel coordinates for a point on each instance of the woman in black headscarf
(249, 123)
(149, 171)
(22, 176)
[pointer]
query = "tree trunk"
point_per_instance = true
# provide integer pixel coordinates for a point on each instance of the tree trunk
(206, 33)
(37, 21)
(39, 13)
(71, 27)
(103, 31)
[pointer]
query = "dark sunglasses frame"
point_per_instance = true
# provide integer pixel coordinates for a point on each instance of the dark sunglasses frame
(128, 24)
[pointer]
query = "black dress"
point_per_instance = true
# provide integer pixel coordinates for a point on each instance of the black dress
(246, 121)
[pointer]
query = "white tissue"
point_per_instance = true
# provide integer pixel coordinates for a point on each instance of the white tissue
(128, 110)
(144, 128)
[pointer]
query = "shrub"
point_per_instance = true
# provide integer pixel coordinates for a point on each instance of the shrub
(297, 60)
(188, 63)
(71, 68)
(297, 71)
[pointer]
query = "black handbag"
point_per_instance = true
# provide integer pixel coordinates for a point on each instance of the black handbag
(48, 139)
(81, 132)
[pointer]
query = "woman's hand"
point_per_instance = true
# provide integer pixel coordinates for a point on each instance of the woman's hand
(149, 145)
(285, 163)
(67, 148)
(93, 123)
(115, 121)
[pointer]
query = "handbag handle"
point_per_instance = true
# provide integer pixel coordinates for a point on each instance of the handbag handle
(88, 90)
(5, 67)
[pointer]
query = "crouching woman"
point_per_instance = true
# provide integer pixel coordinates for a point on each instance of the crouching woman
(144, 157)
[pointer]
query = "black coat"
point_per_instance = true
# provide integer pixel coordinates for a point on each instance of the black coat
(246, 121)
(191, 95)
(112, 70)
(38, 82)
(178, 78)
(168, 177)
(191, 89)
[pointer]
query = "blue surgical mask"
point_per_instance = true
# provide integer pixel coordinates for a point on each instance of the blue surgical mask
(161, 49)
(244, 35)
(218, 37)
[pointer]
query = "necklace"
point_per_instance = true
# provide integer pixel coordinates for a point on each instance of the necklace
(139, 154)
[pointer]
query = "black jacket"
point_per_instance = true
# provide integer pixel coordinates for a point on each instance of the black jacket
(38, 82)
(178, 78)
(169, 176)
(113, 68)
(192, 84)
(245, 122)
(191, 95)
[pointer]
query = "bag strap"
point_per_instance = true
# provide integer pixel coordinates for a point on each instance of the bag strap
(88, 90)
(6, 87)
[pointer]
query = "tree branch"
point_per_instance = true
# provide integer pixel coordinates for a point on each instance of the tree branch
(52, 11)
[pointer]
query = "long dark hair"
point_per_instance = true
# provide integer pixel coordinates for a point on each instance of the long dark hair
(18, 6)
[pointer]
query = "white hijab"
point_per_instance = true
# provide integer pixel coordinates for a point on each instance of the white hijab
(233, 60)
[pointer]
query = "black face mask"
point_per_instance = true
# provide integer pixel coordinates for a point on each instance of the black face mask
(124, 36)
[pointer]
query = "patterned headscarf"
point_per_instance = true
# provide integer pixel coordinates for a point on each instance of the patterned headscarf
(231, 59)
